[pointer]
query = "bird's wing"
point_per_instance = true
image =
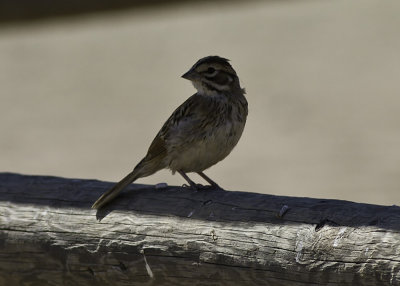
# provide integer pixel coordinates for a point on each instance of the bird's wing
(157, 149)
(185, 121)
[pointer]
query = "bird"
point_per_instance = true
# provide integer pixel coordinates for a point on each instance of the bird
(201, 132)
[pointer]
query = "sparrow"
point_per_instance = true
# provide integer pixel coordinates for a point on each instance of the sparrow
(201, 132)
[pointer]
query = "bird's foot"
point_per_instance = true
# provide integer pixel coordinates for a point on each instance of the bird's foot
(198, 187)
(215, 187)
(208, 187)
(192, 187)
(201, 187)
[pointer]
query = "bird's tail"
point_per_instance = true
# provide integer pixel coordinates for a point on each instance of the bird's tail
(113, 192)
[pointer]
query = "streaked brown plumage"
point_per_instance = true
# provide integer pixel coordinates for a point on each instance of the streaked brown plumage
(200, 132)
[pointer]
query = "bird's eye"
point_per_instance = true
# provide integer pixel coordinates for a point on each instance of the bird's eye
(210, 70)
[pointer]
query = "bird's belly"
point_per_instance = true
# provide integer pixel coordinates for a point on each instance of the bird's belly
(206, 151)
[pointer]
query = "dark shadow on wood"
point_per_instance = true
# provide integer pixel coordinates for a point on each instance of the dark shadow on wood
(212, 205)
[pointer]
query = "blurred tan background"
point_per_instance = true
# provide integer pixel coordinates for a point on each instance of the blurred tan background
(83, 96)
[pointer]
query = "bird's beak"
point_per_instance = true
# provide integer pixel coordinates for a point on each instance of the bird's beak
(190, 75)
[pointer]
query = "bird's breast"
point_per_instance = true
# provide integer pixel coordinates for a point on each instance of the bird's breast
(206, 147)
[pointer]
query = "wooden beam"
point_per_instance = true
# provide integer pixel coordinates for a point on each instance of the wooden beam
(49, 235)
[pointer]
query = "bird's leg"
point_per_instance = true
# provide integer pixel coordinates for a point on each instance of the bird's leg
(211, 182)
(191, 183)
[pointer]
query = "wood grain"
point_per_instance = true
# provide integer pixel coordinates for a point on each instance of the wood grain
(175, 236)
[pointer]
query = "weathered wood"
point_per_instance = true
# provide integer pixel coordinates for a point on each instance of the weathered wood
(49, 235)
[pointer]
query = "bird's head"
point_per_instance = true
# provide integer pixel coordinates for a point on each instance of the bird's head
(213, 75)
